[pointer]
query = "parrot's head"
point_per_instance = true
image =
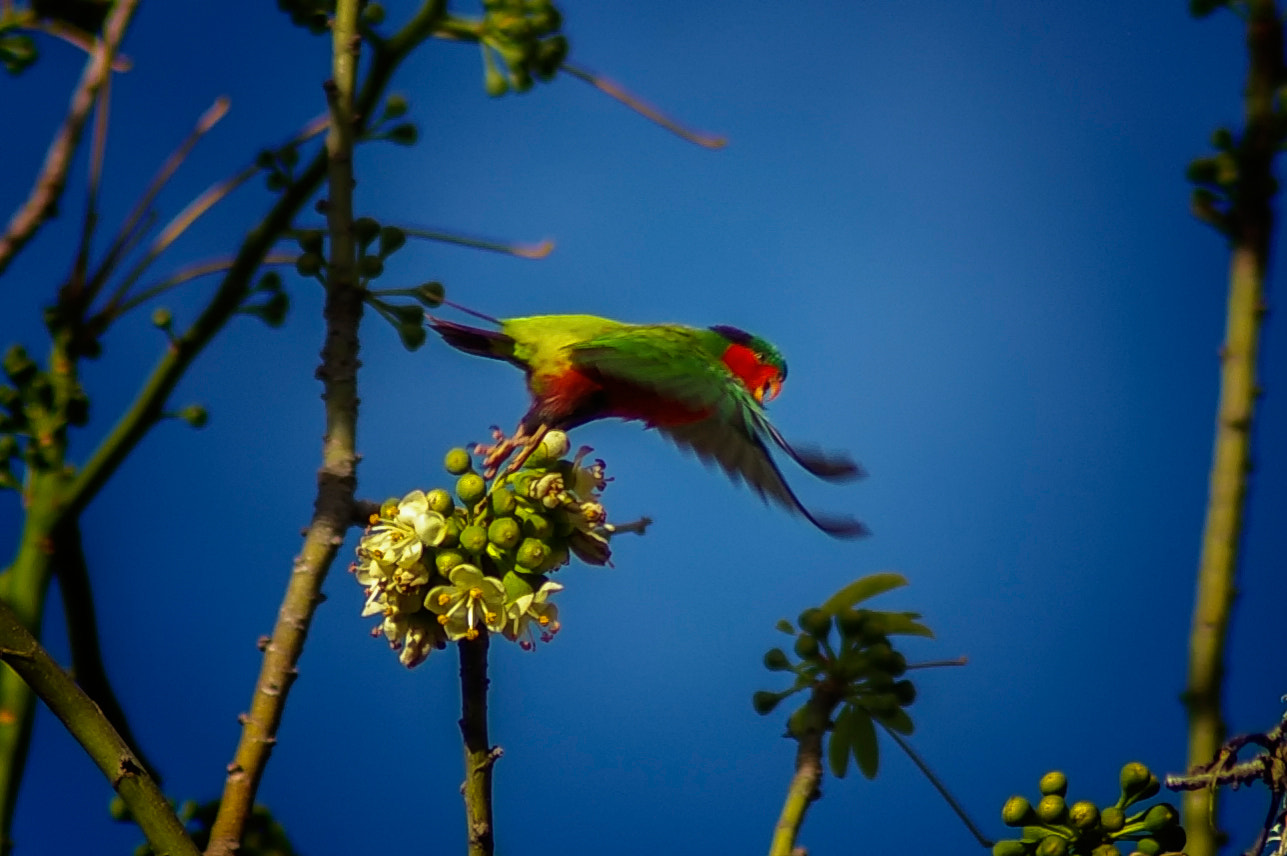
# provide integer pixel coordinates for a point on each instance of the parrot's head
(755, 362)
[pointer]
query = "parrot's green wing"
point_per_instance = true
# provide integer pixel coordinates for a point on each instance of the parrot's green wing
(684, 365)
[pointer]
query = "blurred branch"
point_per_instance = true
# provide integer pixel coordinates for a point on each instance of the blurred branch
(522, 251)
(21, 652)
(480, 757)
(196, 271)
(82, 635)
(43, 200)
(1251, 227)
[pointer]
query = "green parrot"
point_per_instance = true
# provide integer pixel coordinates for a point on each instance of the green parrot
(704, 389)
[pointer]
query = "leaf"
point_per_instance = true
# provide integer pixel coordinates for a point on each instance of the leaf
(905, 624)
(863, 738)
(839, 746)
(897, 721)
(862, 589)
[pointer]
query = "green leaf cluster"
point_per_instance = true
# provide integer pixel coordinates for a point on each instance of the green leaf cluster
(35, 412)
(1053, 827)
(845, 657)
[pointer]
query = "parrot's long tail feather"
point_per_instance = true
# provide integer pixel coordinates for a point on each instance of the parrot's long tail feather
(826, 466)
(472, 340)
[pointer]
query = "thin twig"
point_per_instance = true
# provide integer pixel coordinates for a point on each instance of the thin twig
(643, 108)
(196, 271)
(43, 200)
(938, 786)
(480, 755)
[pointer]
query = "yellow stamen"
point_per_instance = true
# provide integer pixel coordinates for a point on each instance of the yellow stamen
(442, 619)
(444, 599)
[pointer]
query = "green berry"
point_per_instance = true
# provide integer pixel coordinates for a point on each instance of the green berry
(1054, 782)
(458, 462)
(1105, 850)
(308, 264)
(162, 318)
(538, 526)
(446, 560)
(371, 266)
(473, 539)
(905, 692)
(1009, 847)
(503, 502)
(470, 488)
(365, 230)
(504, 533)
(1083, 814)
(1148, 846)
(1017, 811)
(1112, 819)
(1052, 809)
(440, 501)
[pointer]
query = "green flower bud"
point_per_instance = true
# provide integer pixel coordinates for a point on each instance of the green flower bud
(1112, 819)
(1052, 845)
(1052, 809)
(404, 134)
(531, 553)
(373, 14)
(1105, 850)
(1054, 782)
(371, 267)
(1171, 838)
(538, 526)
(310, 241)
(365, 230)
(458, 462)
(851, 622)
(473, 539)
(446, 560)
(1083, 814)
(412, 336)
(471, 488)
(1134, 778)
(815, 622)
(1148, 846)
(451, 538)
(776, 660)
(764, 702)
(308, 264)
(905, 692)
(430, 294)
(504, 533)
(504, 502)
(161, 318)
(1160, 816)
(195, 415)
(1017, 811)
(806, 647)
(1009, 847)
(391, 240)
(395, 106)
(440, 501)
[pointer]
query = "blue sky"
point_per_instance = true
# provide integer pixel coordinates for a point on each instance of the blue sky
(966, 227)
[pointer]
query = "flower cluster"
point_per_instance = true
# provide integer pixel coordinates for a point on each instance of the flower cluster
(438, 569)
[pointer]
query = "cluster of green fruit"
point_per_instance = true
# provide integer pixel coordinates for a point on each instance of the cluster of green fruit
(857, 671)
(437, 569)
(1055, 828)
(524, 35)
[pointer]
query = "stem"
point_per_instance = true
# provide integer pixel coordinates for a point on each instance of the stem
(43, 199)
(939, 786)
(23, 654)
(337, 477)
(1252, 225)
(480, 757)
(805, 784)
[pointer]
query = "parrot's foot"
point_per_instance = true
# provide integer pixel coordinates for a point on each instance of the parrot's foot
(502, 447)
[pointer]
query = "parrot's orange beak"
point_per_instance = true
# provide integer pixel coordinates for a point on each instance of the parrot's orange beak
(768, 390)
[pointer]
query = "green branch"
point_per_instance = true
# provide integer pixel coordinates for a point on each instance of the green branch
(1251, 225)
(805, 784)
(480, 756)
(23, 654)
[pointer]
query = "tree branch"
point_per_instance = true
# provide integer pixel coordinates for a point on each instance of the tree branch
(480, 757)
(43, 200)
